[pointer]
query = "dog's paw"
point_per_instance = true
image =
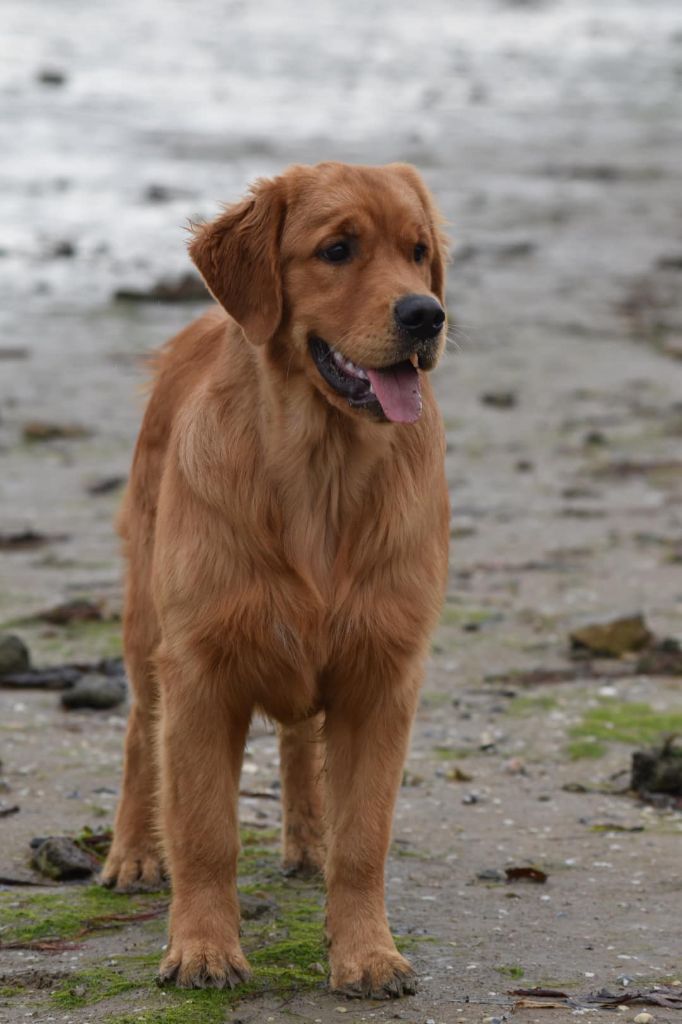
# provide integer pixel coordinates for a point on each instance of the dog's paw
(379, 974)
(307, 865)
(133, 870)
(198, 964)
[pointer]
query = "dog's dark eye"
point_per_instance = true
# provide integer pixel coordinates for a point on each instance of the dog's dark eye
(419, 253)
(336, 253)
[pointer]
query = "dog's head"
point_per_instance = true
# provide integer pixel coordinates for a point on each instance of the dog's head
(345, 266)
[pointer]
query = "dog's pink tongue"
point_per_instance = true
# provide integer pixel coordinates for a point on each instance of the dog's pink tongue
(399, 392)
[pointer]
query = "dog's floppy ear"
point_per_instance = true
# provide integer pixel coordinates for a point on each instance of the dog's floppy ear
(238, 257)
(439, 246)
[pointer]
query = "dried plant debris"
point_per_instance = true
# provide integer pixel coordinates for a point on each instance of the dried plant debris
(500, 399)
(77, 610)
(42, 430)
(623, 469)
(539, 993)
(540, 676)
(105, 485)
(186, 288)
(27, 540)
(526, 873)
(658, 995)
(97, 844)
(663, 658)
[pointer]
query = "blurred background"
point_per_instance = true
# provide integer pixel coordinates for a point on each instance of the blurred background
(549, 132)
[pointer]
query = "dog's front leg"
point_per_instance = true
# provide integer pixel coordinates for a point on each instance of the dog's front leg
(367, 737)
(203, 731)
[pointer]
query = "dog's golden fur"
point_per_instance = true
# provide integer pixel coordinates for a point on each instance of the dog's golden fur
(286, 554)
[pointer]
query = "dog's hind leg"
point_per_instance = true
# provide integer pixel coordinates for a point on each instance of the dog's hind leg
(134, 861)
(301, 752)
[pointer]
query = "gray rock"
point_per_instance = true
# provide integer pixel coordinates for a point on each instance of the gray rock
(58, 857)
(95, 691)
(14, 656)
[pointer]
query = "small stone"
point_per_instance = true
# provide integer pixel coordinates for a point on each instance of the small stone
(63, 249)
(658, 771)
(644, 1018)
(499, 399)
(612, 638)
(58, 857)
(316, 968)
(14, 656)
(94, 691)
(490, 875)
(51, 76)
(673, 347)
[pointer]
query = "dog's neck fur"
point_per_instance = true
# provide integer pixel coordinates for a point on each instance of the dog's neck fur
(305, 440)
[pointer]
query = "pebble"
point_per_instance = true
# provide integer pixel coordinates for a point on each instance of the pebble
(613, 638)
(95, 691)
(58, 857)
(14, 656)
(644, 1018)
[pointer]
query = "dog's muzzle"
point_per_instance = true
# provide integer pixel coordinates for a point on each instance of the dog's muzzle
(420, 319)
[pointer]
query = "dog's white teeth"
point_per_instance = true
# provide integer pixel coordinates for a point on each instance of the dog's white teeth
(348, 365)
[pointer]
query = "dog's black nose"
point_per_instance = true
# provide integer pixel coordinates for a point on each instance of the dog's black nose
(419, 316)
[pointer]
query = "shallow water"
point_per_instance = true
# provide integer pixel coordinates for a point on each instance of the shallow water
(200, 98)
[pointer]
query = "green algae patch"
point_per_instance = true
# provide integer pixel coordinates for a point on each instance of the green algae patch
(588, 749)
(64, 914)
(293, 955)
(633, 723)
(451, 753)
(93, 986)
(287, 955)
(259, 854)
(8, 991)
(435, 699)
(522, 707)
(511, 971)
(468, 618)
(202, 1007)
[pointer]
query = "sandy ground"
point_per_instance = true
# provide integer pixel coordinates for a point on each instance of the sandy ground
(547, 131)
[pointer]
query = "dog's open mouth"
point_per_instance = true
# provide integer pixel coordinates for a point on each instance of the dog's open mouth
(394, 390)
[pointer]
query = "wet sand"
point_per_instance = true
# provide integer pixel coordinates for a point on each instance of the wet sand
(547, 132)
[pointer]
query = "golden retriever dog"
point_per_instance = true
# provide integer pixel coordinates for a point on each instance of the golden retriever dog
(286, 533)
